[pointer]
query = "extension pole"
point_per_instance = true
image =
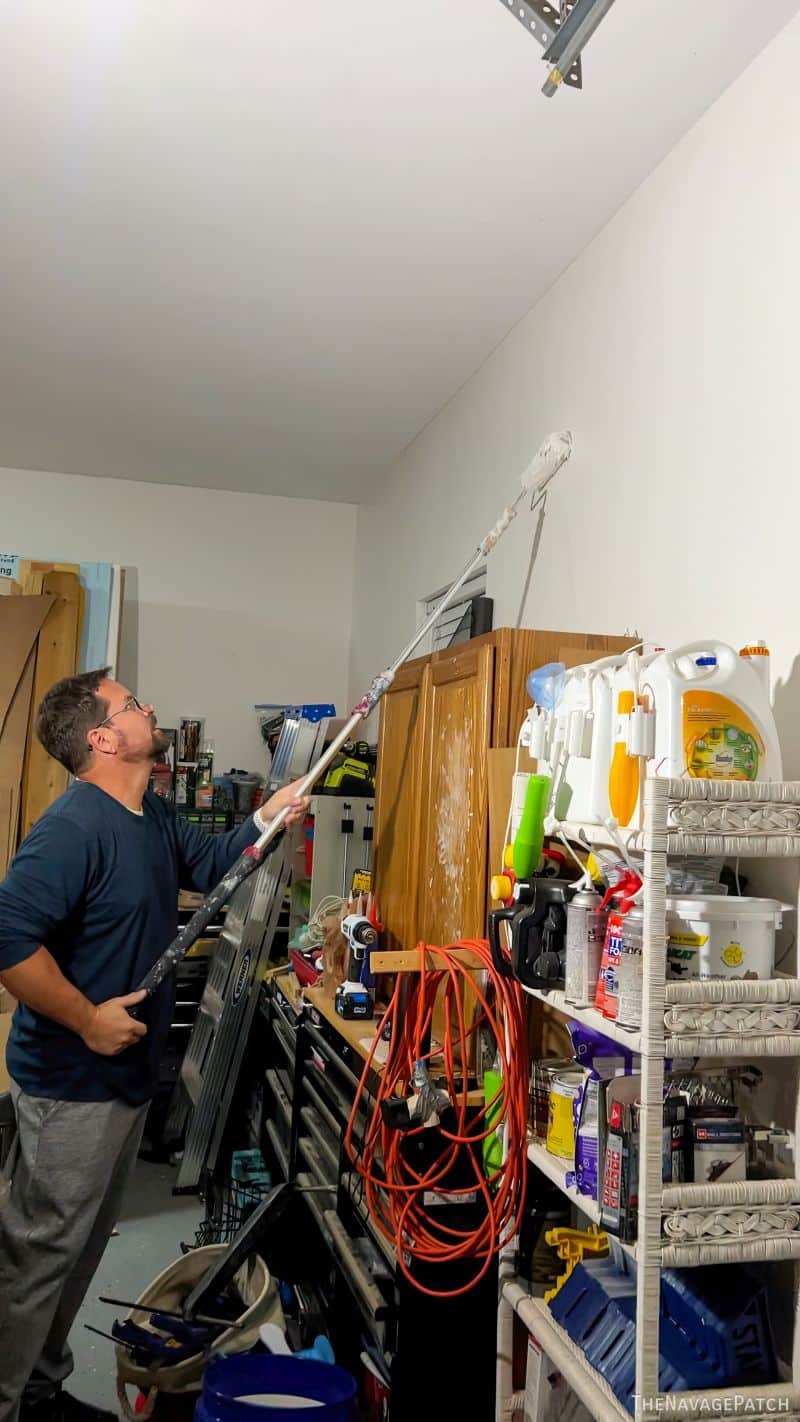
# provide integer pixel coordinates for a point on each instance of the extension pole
(547, 462)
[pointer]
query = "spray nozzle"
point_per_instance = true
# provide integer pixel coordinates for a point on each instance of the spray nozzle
(625, 889)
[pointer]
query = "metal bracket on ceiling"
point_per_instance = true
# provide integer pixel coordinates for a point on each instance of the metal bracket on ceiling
(564, 29)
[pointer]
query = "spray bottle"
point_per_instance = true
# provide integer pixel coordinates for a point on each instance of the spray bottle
(606, 995)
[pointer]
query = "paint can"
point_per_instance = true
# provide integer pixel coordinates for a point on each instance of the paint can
(542, 1073)
(565, 1093)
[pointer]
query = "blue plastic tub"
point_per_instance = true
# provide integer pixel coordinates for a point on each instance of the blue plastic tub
(230, 1386)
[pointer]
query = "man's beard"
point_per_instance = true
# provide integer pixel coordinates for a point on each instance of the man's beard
(161, 743)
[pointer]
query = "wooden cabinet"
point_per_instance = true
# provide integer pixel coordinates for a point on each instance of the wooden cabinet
(454, 805)
(441, 716)
(399, 798)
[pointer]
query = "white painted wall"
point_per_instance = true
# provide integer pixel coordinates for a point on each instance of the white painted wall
(231, 598)
(670, 348)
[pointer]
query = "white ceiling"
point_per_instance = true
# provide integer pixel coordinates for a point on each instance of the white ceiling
(257, 244)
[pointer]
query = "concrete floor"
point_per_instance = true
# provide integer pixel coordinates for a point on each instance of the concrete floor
(152, 1226)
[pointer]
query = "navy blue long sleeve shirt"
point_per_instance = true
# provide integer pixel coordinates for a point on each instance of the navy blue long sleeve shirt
(97, 885)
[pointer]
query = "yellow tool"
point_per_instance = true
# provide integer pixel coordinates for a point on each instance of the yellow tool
(572, 1245)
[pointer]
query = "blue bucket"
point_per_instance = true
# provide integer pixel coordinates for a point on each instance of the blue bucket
(231, 1385)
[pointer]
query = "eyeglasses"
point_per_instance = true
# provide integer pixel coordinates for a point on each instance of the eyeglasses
(130, 704)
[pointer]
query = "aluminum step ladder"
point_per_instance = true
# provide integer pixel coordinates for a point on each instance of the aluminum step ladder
(217, 1045)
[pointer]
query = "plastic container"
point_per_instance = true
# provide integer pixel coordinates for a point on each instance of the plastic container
(713, 715)
(264, 1388)
(722, 937)
(624, 775)
(244, 789)
(546, 684)
(584, 721)
(529, 838)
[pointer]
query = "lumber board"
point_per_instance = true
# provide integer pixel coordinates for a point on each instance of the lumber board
(407, 960)
(57, 656)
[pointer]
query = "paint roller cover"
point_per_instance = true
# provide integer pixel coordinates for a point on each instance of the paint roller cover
(530, 835)
(551, 454)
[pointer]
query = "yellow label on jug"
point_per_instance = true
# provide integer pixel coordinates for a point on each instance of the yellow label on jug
(689, 940)
(732, 956)
(720, 741)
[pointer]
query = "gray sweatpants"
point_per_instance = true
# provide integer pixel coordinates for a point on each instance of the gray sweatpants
(68, 1168)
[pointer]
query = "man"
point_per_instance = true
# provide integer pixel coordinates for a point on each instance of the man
(88, 905)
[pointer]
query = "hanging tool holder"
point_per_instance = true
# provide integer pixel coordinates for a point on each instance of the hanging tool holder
(538, 926)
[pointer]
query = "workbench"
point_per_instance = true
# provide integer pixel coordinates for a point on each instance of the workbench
(307, 1069)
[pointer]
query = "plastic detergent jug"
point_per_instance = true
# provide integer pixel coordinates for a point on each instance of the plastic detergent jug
(584, 718)
(713, 718)
(624, 775)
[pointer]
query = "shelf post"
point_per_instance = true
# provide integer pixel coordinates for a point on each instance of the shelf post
(648, 1283)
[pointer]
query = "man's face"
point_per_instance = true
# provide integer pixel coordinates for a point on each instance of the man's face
(131, 724)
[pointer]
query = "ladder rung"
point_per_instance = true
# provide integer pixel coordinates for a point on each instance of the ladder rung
(211, 1004)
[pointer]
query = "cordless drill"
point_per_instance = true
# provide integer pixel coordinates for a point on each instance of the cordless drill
(354, 998)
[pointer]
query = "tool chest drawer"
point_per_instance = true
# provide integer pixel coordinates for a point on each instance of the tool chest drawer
(325, 1144)
(282, 1097)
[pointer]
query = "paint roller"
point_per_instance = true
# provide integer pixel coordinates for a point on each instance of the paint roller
(554, 452)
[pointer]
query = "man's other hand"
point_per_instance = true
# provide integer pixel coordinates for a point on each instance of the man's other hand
(289, 797)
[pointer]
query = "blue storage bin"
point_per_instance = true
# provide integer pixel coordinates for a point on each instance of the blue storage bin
(229, 1382)
(714, 1329)
(723, 1314)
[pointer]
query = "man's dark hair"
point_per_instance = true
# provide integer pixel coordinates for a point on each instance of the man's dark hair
(66, 715)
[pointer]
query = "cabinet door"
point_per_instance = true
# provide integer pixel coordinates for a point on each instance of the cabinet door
(398, 803)
(451, 894)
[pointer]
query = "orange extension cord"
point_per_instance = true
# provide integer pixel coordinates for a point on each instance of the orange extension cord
(395, 1194)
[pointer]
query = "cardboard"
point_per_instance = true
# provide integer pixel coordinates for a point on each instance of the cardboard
(7, 1005)
(5, 1030)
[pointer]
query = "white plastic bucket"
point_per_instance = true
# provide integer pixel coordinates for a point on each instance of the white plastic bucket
(722, 937)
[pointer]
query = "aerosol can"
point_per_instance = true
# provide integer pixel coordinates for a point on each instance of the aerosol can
(586, 931)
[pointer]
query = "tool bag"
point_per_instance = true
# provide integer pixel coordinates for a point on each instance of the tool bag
(168, 1291)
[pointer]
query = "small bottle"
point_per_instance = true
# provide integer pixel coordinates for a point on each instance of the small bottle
(204, 785)
(630, 970)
